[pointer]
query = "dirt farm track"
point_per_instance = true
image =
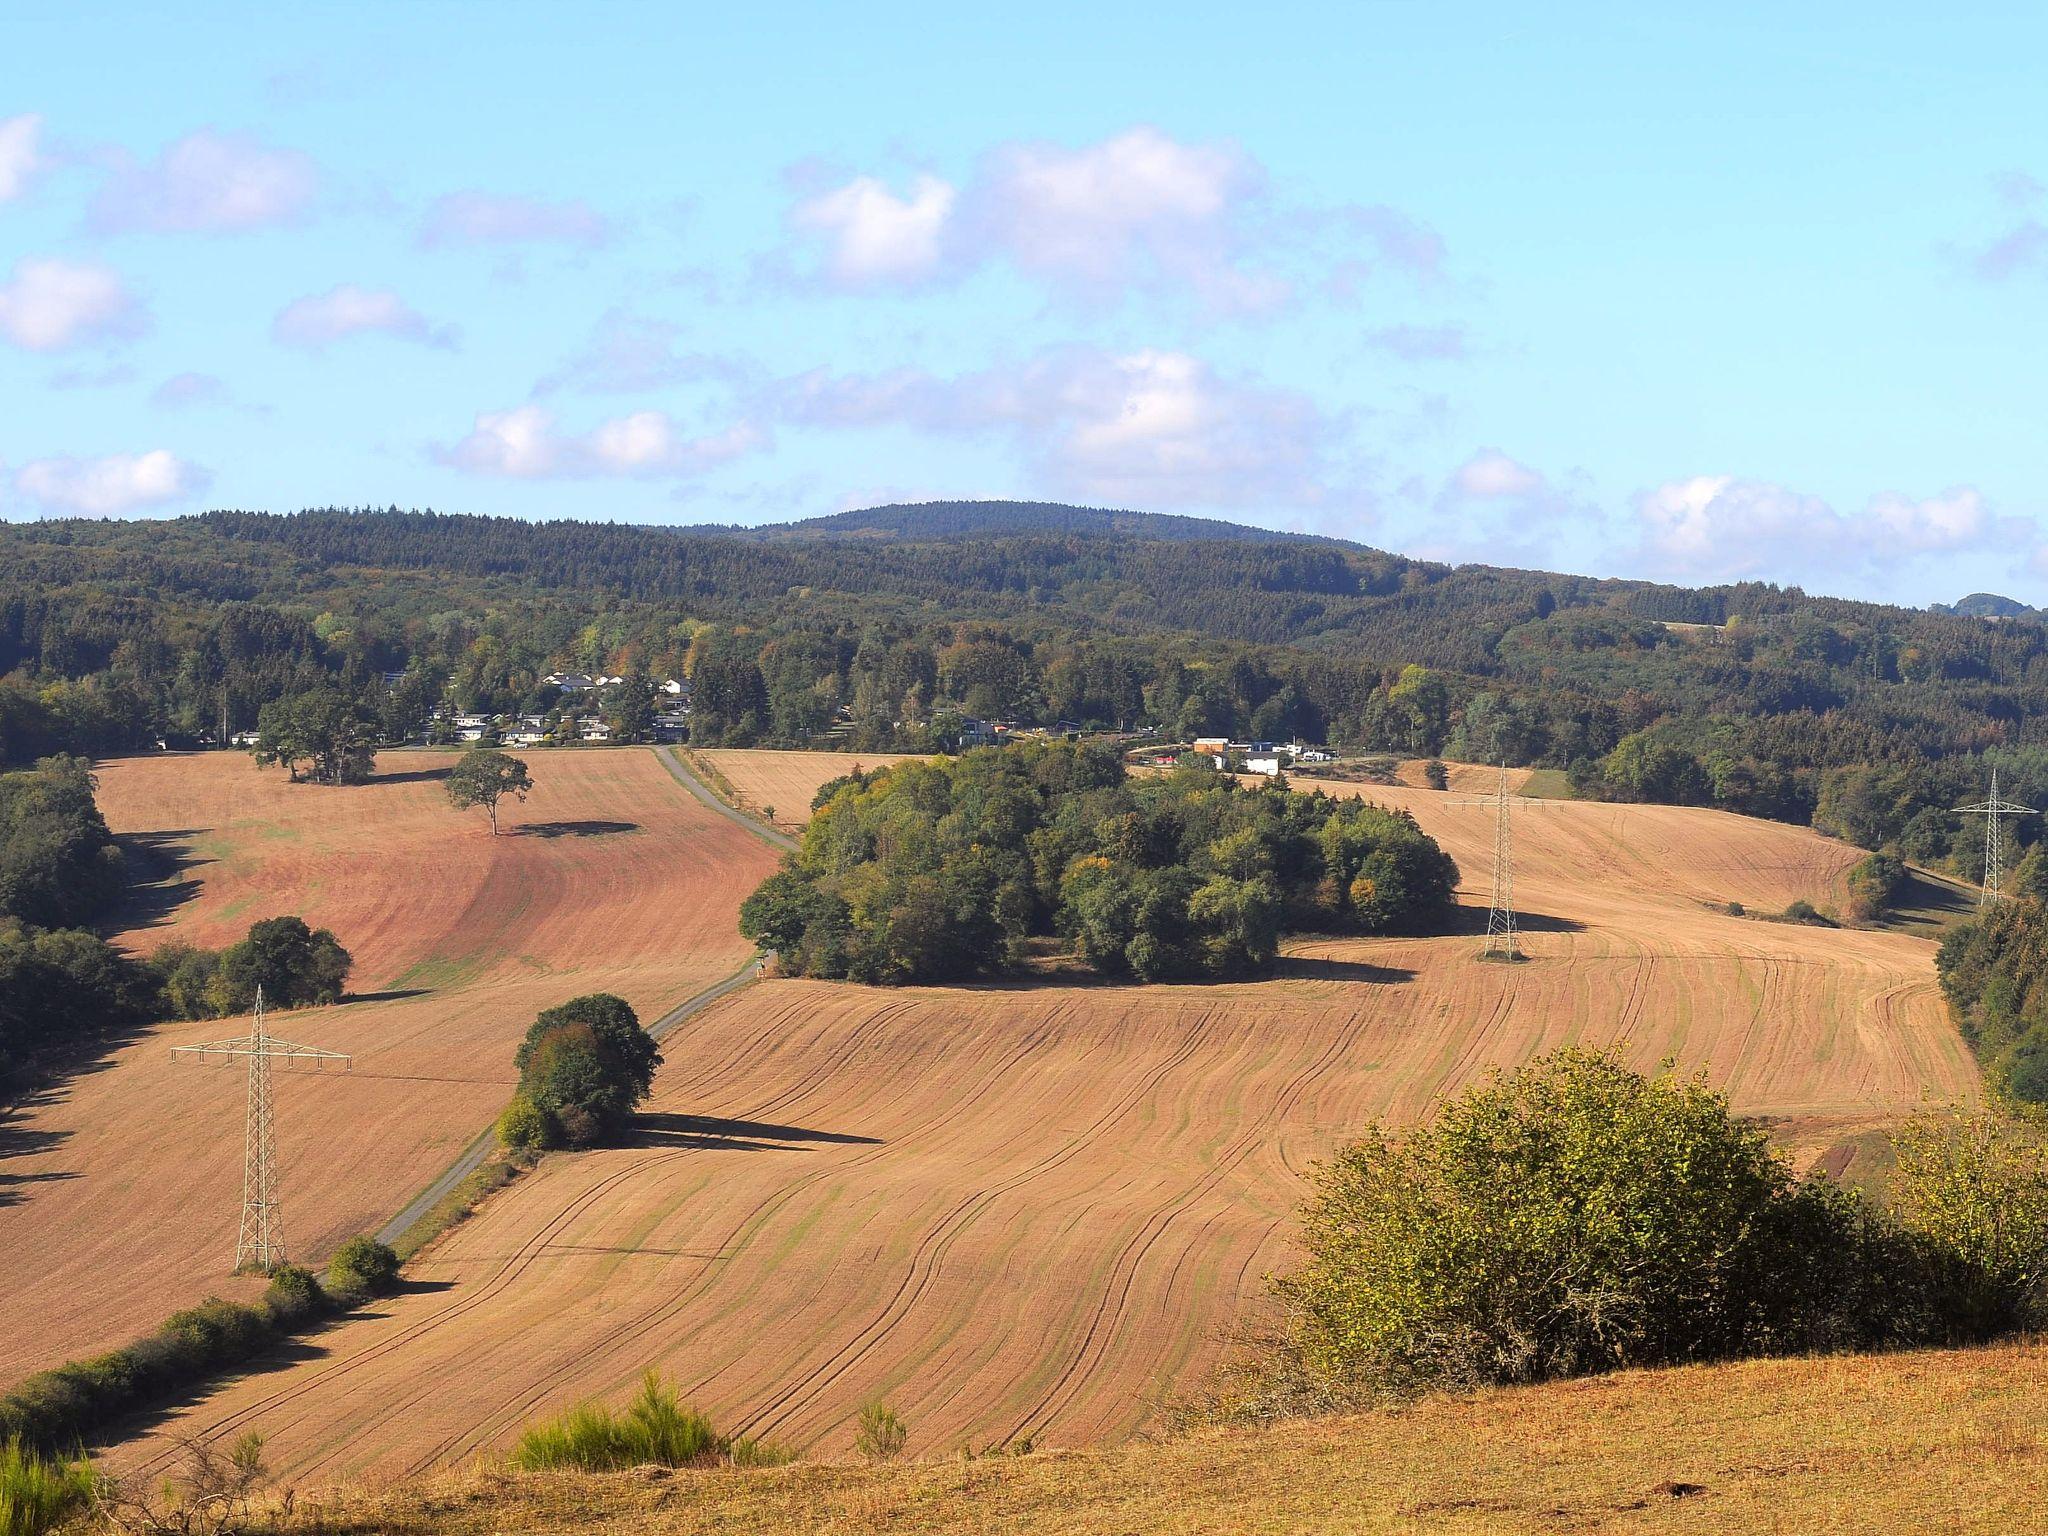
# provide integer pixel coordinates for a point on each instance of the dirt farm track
(118, 1201)
(1032, 1211)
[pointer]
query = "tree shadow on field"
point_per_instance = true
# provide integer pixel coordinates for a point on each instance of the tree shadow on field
(1327, 968)
(19, 1141)
(575, 828)
(413, 776)
(709, 1134)
(157, 881)
(1473, 920)
(392, 995)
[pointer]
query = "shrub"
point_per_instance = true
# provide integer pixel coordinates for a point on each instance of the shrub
(39, 1493)
(655, 1430)
(1972, 1190)
(524, 1126)
(1803, 911)
(882, 1434)
(1436, 775)
(1571, 1217)
(587, 1064)
(1874, 884)
(362, 1266)
(293, 1296)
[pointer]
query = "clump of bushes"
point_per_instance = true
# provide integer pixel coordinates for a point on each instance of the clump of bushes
(1874, 884)
(583, 1069)
(654, 1430)
(72, 1403)
(1576, 1217)
(361, 1267)
(296, 966)
(935, 871)
(1994, 973)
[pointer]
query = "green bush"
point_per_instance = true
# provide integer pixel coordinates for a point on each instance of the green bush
(1971, 1188)
(1874, 884)
(882, 1434)
(586, 1065)
(39, 1493)
(1568, 1218)
(362, 1266)
(654, 1430)
(1993, 973)
(524, 1126)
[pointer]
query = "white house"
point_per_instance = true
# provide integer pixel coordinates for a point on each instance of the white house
(1267, 763)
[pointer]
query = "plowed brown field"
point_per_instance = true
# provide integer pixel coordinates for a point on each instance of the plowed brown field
(1035, 1210)
(120, 1201)
(786, 781)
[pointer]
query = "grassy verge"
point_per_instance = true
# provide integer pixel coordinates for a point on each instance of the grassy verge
(722, 787)
(1935, 1441)
(460, 1203)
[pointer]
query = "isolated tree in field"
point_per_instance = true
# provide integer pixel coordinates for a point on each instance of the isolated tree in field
(484, 777)
(321, 735)
(586, 1065)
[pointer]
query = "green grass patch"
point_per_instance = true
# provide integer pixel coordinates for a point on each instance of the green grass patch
(39, 1493)
(655, 1430)
(1548, 784)
(458, 1205)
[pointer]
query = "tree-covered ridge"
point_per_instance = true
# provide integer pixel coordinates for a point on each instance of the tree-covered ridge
(941, 870)
(1750, 697)
(58, 863)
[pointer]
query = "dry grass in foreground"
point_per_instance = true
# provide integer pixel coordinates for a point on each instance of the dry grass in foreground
(1923, 1442)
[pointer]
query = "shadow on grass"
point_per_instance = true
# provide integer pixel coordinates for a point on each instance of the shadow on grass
(413, 776)
(391, 995)
(574, 829)
(1473, 920)
(710, 1134)
(158, 882)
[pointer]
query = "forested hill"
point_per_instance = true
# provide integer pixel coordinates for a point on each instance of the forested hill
(1011, 519)
(885, 628)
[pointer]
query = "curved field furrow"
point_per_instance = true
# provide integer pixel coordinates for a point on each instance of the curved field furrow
(609, 877)
(1037, 1209)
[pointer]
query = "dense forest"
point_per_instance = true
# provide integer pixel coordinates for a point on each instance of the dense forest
(933, 871)
(1995, 974)
(894, 627)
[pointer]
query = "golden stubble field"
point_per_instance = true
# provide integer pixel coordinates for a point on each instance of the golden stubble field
(1036, 1211)
(784, 782)
(124, 1190)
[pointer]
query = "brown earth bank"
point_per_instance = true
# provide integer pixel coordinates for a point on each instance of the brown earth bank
(122, 1181)
(1947, 1443)
(1036, 1210)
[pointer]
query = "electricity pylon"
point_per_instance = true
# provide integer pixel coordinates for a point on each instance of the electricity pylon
(260, 1245)
(1994, 810)
(1503, 941)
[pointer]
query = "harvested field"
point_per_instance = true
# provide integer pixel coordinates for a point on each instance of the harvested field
(120, 1205)
(786, 781)
(1034, 1211)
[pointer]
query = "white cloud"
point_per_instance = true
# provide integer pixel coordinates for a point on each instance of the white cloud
(112, 485)
(189, 389)
(526, 443)
(1139, 211)
(872, 236)
(483, 218)
(1720, 527)
(1490, 474)
(1148, 427)
(208, 182)
(630, 354)
(318, 320)
(49, 304)
(20, 157)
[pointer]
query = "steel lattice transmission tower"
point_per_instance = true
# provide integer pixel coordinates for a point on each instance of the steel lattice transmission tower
(1503, 939)
(1994, 811)
(260, 1245)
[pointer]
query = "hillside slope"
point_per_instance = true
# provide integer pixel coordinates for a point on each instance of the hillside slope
(1036, 1210)
(1939, 1444)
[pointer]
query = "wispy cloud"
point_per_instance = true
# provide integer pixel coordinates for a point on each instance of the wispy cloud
(112, 485)
(484, 218)
(20, 153)
(48, 305)
(320, 319)
(1140, 211)
(527, 443)
(1420, 343)
(1722, 527)
(207, 182)
(628, 353)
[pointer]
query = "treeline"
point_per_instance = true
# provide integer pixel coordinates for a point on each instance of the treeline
(934, 871)
(61, 985)
(1994, 973)
(1749, 697)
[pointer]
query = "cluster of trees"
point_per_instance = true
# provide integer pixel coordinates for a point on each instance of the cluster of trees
(1576, 1216)
(294, 965)
(1865, 719)
(1994, 973)
(584, 1067)
(934, 871)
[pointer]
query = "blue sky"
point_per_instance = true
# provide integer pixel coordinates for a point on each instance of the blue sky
(1755, 294)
